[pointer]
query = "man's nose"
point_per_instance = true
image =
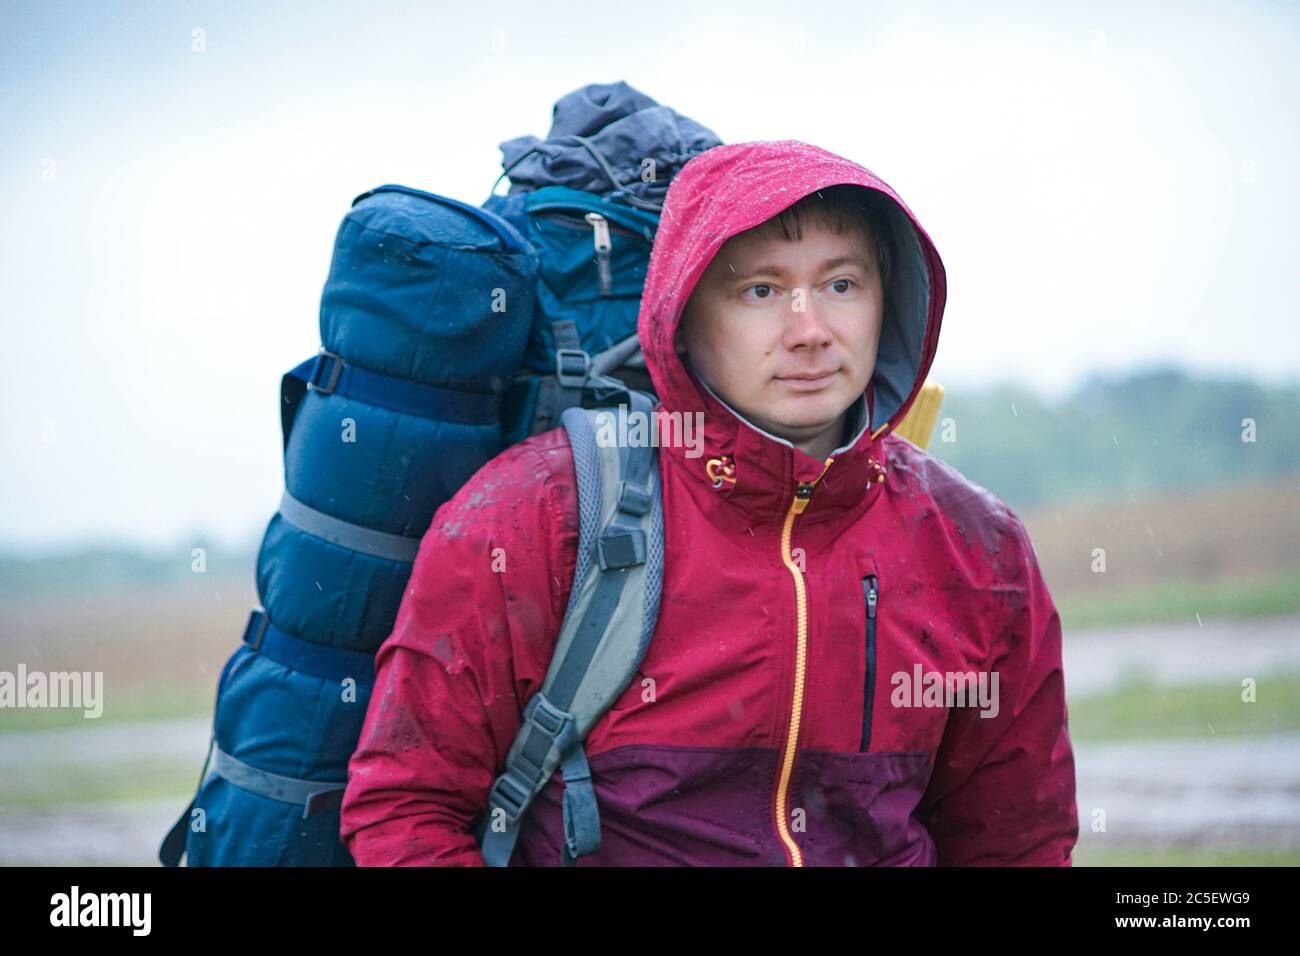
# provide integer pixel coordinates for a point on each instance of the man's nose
(804, 323)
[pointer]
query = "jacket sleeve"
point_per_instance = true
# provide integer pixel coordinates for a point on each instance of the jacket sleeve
(1003, 790)
(471, 642)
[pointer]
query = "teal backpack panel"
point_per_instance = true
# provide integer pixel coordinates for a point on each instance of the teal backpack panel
(593, 253)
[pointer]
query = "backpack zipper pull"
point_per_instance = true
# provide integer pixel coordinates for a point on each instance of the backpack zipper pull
(600, 234)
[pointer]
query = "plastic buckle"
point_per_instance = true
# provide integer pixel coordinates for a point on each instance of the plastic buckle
(570, 376)
(262, 621)
(622, 548)
(544, 715)
(604, 388)
(512, 801)
(525, 770)
(632, 499)
(322, 357)
(322, 801)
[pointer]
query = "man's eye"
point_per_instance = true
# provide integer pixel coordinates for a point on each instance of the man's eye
(760, 285)
(849, 282)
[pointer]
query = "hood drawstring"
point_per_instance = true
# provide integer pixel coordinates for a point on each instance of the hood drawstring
(720, 470)
(877, 470)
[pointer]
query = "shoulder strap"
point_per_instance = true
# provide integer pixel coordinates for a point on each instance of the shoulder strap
(611, 615)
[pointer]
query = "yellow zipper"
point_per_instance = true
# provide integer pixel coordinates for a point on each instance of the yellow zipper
(801, 496)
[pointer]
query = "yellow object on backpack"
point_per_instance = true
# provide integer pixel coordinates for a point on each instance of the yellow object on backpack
(918, 425)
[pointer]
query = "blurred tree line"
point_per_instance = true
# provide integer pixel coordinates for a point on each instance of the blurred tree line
(1119, 436)
(1159, 431)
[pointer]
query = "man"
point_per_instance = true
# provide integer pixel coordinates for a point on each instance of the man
(856, 660)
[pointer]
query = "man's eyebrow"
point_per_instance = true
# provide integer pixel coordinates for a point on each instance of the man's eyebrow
(772, 269)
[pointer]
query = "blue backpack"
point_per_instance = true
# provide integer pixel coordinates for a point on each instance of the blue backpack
(449, 333)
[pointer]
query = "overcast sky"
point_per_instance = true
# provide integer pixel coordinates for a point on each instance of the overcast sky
(1109, 185)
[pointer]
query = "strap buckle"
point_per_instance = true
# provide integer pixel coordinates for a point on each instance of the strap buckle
(572, 367)
(322, 801)
(317, 372)
(545, 716)
(633, 499)
(513, 790)
(255, 629)
(510, 794)
(620, 548)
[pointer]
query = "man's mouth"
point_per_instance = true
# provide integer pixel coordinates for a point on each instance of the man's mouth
(808, 381)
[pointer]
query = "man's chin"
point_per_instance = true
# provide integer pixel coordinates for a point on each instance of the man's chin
(807, 417)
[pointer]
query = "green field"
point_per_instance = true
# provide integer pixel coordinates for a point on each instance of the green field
(1189, 856)
(71, 783)
(1224, 552)
(1182, 599)
(129, 703)
(1137, 710)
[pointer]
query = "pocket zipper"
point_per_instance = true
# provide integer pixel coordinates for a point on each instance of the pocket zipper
(601, 228)
(871, 591)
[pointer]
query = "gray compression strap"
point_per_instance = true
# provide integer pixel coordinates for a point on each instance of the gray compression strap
(563, 389)
(572, 367)
(316, 796)
(355, 537)
(602, 363)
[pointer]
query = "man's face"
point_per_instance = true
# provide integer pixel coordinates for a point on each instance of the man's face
(786, 332)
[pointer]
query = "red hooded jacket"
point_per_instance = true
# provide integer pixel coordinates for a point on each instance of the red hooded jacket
(750, 750)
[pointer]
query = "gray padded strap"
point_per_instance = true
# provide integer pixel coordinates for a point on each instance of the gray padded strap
(613, 606)
(315, 795)
(566, 334)
(355, 537)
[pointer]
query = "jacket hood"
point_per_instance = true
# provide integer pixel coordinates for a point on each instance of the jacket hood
(727, 190)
